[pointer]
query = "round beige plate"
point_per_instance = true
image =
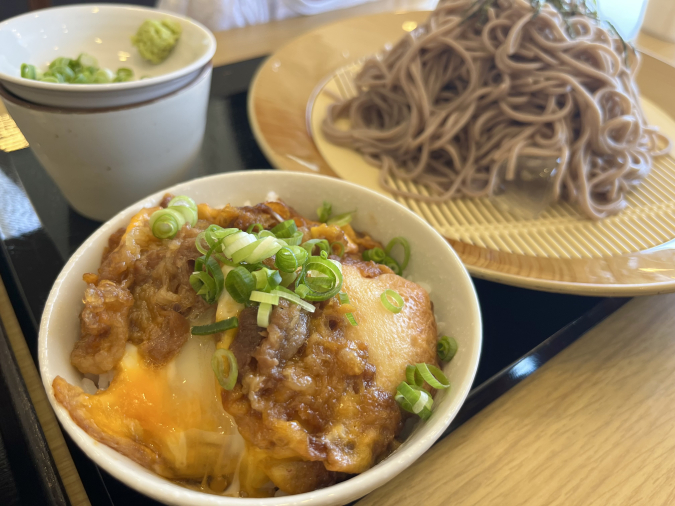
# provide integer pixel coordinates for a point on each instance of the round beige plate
(629, 254)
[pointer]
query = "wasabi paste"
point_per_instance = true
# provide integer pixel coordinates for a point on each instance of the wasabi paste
(155, 39)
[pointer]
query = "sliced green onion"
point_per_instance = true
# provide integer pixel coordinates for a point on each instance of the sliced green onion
(189, 215)
(447, 348)
(165, 223)
(264, 311)
(246, 251)
(28, 71)
(187, 207)
(265, 279)
(302, 290)
(207, 280)
(103, 76)
(285, 229)
(266, 298)
(245, 248)
(341, 219)
(123, 75)
(290, 258)
(386, 295)
(392, 264)
(214, 328)
(252, 228)
(240, 283)
(322, 244)
(229, 379)
(406, 250)
(413, 377)
(375, 254)
(330, 272)
(343, 298)
(351, 319)
(341, 248)
(86, 60)
(49, 79)
(265, 233)
(414, 400)
(433, 376)
(61, 61)
(324, 211)
(204, 285)
(295, 239)
(287, 278)
(290, 296)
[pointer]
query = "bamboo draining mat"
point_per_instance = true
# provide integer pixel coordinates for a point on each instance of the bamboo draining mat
(560, 231)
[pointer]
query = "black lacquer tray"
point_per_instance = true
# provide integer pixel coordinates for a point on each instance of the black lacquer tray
(39, 231)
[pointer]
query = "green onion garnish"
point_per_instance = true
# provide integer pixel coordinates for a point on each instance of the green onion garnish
(406, 250)
(322, 244)
(290, 296)
(207, 280)
(414, 399)
(187, 207)
(264, 311)
(165, 223)
(341, 219)
(375, 254)
(123, 75)
(83, 70)
(413, 377)
(266, 298)
(302, 290)
(214, 328)
(324, 212)
(386, 295)
(252, 228)
(287, 278)
(341, 248)
(433, 376)
(325, 282)
(343, 298)
(285, 229)
(290, 258)
(392, 264)
(447, 348)
(227, 381)
(28, 71)
(351, 319)
(295, 239)
(240, 283)
(265, 279)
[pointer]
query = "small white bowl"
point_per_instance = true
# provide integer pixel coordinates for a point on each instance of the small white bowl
(103, 31)
(105, 159)
(432, 261)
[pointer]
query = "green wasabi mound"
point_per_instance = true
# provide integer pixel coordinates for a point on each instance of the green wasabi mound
(156, 39)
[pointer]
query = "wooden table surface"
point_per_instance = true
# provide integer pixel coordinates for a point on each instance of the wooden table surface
(592, 426)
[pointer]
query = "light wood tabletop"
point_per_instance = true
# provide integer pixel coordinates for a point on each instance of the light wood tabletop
(594, 426)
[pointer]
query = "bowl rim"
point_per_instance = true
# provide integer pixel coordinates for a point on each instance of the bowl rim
(171, 493)
(109, 87)
(10, 97)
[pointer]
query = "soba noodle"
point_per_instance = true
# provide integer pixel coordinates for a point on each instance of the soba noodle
(456, 103)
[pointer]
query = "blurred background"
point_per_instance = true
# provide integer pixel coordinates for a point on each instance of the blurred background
(626, 15)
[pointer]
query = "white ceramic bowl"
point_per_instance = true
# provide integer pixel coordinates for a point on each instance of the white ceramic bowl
(105, 159)
(432, 261)
(103, 31)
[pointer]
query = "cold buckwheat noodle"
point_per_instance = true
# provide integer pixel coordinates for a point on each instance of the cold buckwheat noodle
(481, 84)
